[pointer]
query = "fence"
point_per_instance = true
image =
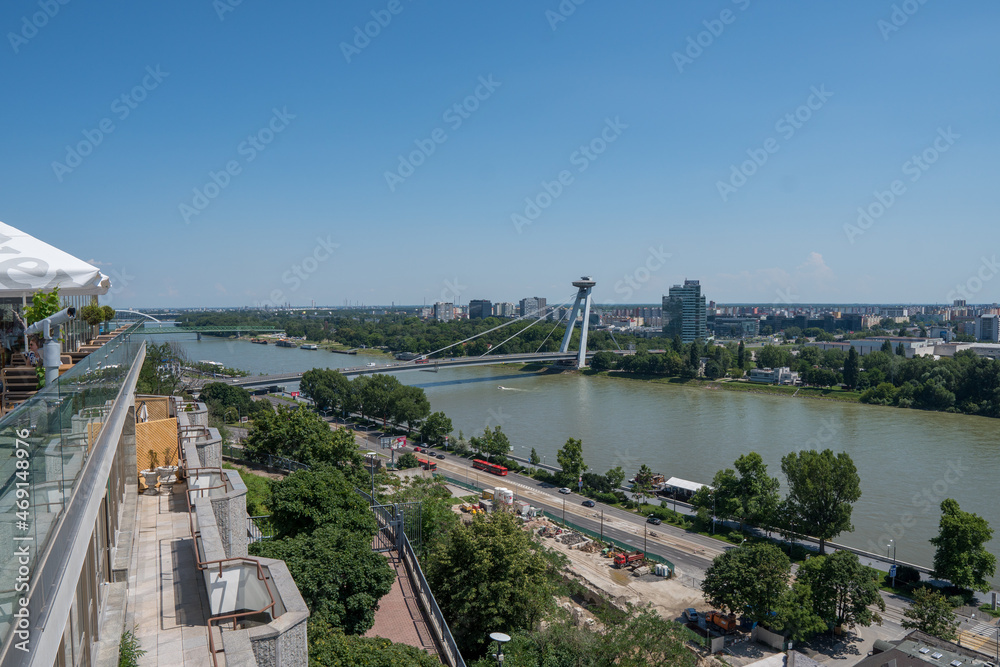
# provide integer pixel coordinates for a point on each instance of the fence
(391, 520)
(269, 460)
(259, 528)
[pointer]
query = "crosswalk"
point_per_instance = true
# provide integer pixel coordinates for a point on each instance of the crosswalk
(983, 630)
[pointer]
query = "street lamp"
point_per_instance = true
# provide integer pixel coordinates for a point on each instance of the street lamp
(501, 639)
(893, 543)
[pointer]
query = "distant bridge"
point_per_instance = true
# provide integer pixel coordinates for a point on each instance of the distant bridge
(429, 365)
(237, 330)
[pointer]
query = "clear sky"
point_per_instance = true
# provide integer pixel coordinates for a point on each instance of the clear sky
(238, 152)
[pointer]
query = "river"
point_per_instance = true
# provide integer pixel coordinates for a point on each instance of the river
(908, 460)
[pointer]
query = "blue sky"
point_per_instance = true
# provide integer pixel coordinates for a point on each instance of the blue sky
(269, 152)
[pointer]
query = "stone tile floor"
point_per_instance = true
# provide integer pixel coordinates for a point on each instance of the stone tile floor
(168, 594)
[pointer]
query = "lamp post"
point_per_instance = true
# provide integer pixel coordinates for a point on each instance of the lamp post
(893, 543)
(501, 639)
(602, 534)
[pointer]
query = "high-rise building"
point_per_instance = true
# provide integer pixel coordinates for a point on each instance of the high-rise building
(480, 309)
(504, 309)
(988, 328)
(684, 312)
(532, 306)
(444, 311)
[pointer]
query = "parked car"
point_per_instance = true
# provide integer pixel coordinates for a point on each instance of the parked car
(564, 490)
(690, 615)
(653, 520)
(589, 503)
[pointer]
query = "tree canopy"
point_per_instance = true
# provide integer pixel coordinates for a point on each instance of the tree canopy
(822, 488)
(490, 574)
(748, 580)
(570, 458)
(961, 556)
(931, 612)
(843, 589)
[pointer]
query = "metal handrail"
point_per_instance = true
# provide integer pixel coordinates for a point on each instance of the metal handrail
(241, 614)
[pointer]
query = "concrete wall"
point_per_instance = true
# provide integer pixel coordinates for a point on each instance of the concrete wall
(231, 516)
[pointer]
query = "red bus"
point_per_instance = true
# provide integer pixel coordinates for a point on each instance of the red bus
(427, 465)
(489, 467)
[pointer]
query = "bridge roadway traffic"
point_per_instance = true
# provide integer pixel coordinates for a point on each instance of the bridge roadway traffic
(431, 365)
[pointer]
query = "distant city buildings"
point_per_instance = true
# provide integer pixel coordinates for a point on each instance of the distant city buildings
(504, 309)
(531, 306)
(988, 328)
(684, 312)
(783, 375)
(480, 309)
(444, 311)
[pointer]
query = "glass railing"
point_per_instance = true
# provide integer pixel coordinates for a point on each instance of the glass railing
(44, 445)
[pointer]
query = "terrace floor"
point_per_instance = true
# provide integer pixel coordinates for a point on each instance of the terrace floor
(168, 592)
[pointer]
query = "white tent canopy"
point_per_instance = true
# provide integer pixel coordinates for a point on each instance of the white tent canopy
(28, 265)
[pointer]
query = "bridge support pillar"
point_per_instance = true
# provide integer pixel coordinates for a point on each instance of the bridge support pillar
(584, 287)
(199, 335)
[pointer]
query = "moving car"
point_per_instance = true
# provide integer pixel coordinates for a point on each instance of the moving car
(589, 503)
(564, 490)
(440, 456)
(417, 449)
(653, 520)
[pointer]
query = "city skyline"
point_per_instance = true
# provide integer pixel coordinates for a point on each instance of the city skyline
(777, 153)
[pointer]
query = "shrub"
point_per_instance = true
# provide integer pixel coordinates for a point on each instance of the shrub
(406, 460)
(906, 575)
(607, 498)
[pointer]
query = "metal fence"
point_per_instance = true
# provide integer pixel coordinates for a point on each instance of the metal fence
(269, 460)
(259, 528)
(392, 520)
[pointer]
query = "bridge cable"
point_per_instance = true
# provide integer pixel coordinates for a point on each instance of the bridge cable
(483, 333)
(558, 322)
(540, 317)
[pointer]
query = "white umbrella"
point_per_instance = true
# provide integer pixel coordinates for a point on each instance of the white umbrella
(28, 265)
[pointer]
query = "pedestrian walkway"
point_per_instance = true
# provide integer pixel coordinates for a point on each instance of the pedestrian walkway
(399, 617)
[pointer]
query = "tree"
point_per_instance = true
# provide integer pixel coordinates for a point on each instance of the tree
(493, 443)
(930, 612)
(615, 477)
(795, 614)
(822, 488)
(605, 360)
(961, 557)
(435, 427)
(307, 499)
(301, 436)
(329, 647)
(534, 458)
(406, 461)
(741, 356)
(756, 491)
(376, 395)
(852, 369)
(339, 576)
(900, 350)
(749, 580)
(408, 405)
(490, 574)
(570, 458)
(327, 389)
(843, 589)
(886, 347)
(643, 487)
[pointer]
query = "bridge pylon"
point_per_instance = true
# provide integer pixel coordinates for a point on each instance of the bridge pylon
(584, 285)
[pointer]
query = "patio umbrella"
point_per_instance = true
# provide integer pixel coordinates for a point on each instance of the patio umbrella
(28, 265)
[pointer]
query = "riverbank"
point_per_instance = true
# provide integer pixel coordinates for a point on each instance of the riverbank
(829, 394)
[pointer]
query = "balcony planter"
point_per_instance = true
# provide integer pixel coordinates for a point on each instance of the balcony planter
(150, 477)
(167, 478)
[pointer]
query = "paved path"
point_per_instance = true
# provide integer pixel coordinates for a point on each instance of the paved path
(399, 617)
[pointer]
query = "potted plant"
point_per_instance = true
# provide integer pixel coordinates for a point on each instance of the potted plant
(151, 475)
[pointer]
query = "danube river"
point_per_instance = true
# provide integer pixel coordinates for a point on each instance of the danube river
(908, 460)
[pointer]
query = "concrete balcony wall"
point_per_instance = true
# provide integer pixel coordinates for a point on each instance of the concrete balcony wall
(283, 641)
(231, 515)
(207, 442)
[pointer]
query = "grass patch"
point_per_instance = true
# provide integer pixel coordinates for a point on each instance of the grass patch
(258, 490)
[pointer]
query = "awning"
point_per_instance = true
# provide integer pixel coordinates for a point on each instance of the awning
(28, 265)
(679, 483)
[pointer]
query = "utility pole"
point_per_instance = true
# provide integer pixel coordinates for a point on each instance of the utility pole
(602, 541)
